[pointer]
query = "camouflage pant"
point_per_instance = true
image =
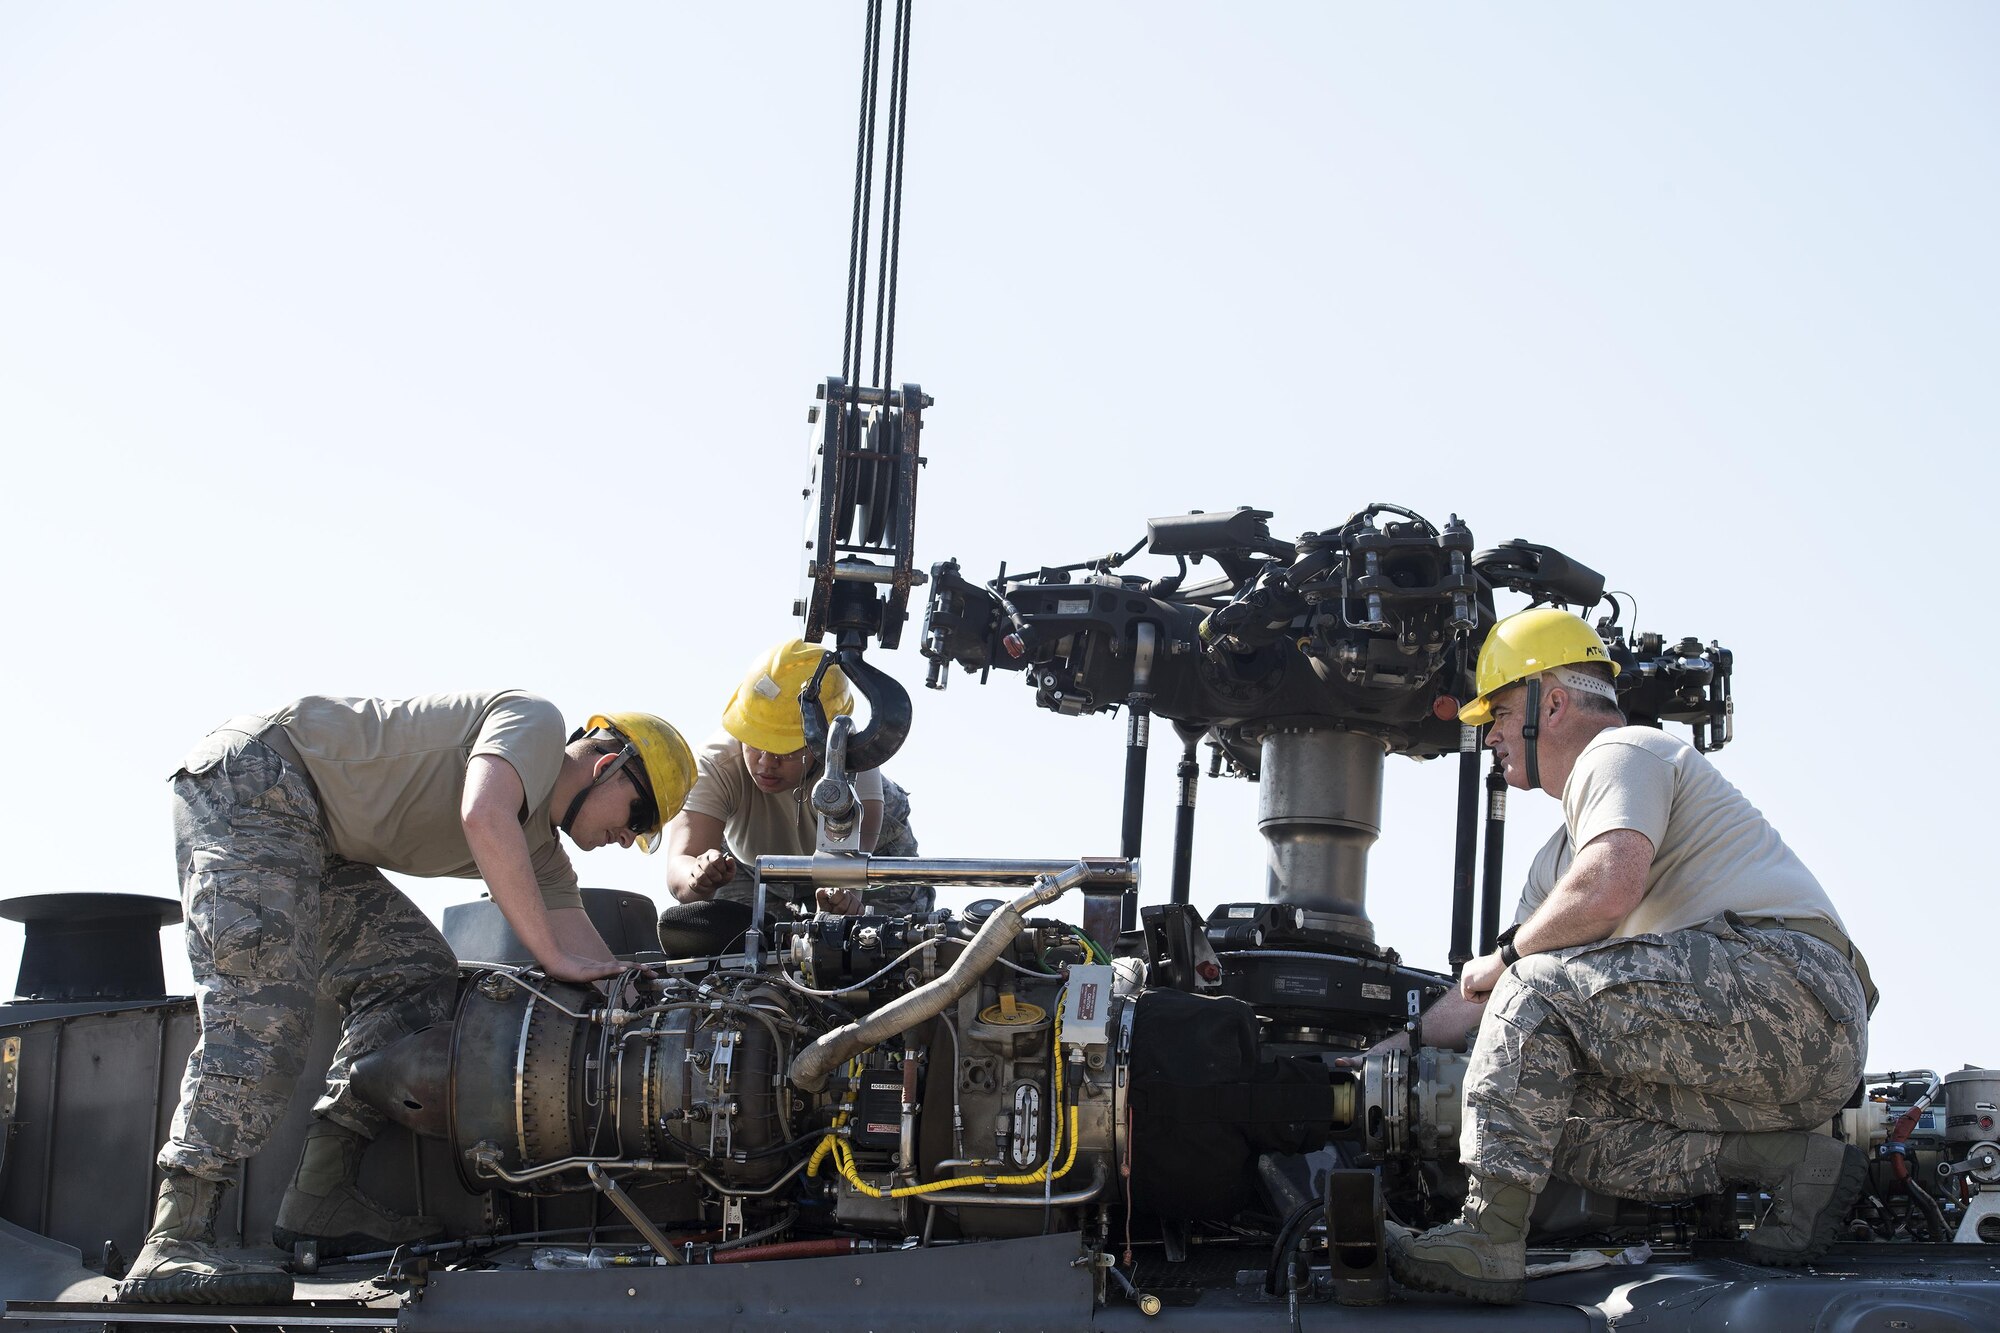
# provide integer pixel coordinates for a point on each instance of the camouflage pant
(896, 838)
(274, 920)
(1619, 1065)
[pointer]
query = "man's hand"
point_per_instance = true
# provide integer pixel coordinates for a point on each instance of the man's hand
(581, 967)
(700, 876)
(841, 902)
(1395, 1041)
(1480, 976)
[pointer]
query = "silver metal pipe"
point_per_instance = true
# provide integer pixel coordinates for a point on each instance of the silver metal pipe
(815, 1064)
(488, 1163)
(1100, 1174)
(640, 1222)
(741, 1193)
(858, 870)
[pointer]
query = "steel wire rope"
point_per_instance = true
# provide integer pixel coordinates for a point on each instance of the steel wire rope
(892, 201)
(864, 186)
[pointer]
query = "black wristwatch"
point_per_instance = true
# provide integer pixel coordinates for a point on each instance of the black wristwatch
(1509, 955)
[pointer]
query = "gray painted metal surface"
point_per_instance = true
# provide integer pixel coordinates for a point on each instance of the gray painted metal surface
(1026, 1284)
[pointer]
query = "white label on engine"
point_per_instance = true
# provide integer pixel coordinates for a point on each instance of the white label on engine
(1374, 990)
(1242, 913)
(1073, 606)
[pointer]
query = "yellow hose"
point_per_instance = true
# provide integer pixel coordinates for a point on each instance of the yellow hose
(843, 1155)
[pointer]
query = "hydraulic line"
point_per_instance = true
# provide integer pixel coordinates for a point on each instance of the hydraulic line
(790, 1249)
(843, 1156)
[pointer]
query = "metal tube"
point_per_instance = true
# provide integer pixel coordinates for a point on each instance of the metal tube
(1466, 852)
(739, 1192)
(1138, 736)
(875, 397)
(640, 1222)
(1496, 843)
(1187, 774)
(792, 1249)
(1138, 733)
(986, 872)
(815, 1064)
(1099, 1175)
(489, 1164)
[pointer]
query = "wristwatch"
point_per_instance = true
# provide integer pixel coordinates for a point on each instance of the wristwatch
(1509, 955)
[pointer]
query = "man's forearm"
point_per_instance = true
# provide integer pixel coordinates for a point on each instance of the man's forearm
(575, 934)
(1565, 919)
(502, 857)
(681, 879)
(1450, 1022)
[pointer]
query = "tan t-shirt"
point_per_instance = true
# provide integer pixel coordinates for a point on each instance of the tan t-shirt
(1713, 852)
(391, 775)
(756, 822)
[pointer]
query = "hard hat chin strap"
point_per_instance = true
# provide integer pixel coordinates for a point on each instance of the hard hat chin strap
(1531, 728)
(625, 756)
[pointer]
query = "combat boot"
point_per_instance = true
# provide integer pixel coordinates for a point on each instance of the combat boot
(1484, 1254)
(1813, 1181)
(325, 1204)
(180, 1263)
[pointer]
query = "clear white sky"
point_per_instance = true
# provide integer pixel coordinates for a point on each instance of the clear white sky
(380, 348)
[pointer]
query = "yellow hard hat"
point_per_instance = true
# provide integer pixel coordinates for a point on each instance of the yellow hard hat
(666, 760)
(1525, 644)
(764, 711)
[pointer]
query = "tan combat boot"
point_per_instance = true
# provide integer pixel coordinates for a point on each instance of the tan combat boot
(180, 1263)
(1484, 1254)
(325, 1204)
(1813, 1181)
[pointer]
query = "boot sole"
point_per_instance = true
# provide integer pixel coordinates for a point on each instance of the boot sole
(1450, 1282)
(199, 1289)
(1832, 1218)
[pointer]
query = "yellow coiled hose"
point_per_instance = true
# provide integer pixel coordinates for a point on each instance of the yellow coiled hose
(843, 1155)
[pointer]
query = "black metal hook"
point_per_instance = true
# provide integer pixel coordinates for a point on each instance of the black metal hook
(889, 712)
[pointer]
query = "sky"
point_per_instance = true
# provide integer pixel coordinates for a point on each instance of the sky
(386, 349)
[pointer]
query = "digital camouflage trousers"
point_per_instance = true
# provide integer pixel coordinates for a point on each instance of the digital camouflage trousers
(1619, 1065)
(274, 921)
(897, 838)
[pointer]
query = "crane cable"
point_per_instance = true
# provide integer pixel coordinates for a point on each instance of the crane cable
(854, 332)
